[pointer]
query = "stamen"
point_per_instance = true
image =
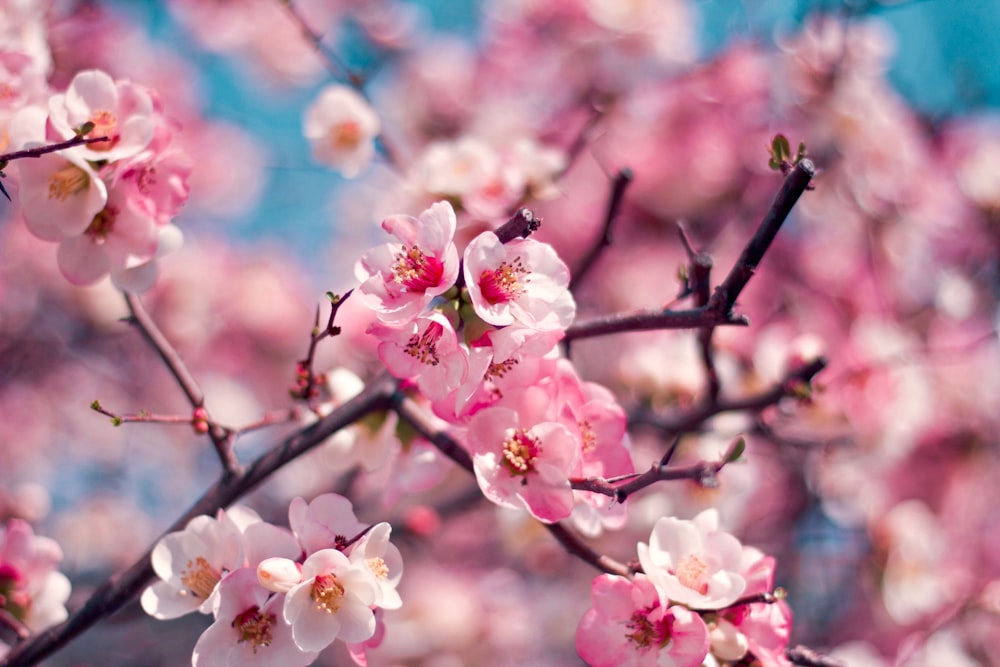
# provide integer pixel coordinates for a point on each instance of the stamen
(505, 283)
(327, 592)
(519, 452)
(200, 577)
(378, 568)
(424, 348)
(254, 627)
(415, 270)
(691, 572)
(68, 181)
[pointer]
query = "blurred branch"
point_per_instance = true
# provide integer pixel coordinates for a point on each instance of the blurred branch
(122, 587)
(222, 439)
(618, 186)
(790, 385)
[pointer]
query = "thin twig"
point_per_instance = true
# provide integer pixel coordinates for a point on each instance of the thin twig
(690, 420)
(222, 439)
(617, 195)
(719, 310)
(39, 151)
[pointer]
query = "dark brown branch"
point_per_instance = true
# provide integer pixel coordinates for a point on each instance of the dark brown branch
(39, 151)
(621, 182)
(794, 185)
(222, 439)
(651, 320)
(520, 225)
(411, 413)
(122, 587)
(704, 472)
(719, 310)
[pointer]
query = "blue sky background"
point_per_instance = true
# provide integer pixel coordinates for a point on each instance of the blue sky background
(947, 62)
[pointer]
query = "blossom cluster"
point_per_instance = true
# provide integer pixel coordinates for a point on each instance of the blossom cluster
(477, 337)
(109, 201)
(695, 597)
(278, 596)
(33, 592)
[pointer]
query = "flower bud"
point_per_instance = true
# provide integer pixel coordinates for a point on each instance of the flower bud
(728, 643)
(279, 574)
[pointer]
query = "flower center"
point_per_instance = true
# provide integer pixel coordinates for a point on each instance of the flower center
(200, 577)
(416, 271)
(423, 348)
(520, 451)
(378, 568)
(105, 124)
(345, 136)
(327, 592)
(644, 632)
(13, 599)
(498, 370)
(691, 572)
(68, 181)
(102, 224)
(254, 627)
(588, 437)
(504, 283)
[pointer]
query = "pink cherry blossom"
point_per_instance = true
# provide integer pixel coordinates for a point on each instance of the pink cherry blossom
(399, 279)
(333, 601)
(119, 236)
(249, 628)
(382, 557)
(326, 522)
(60, 193)
(521, 281)
(425, 350)
(628, 626)
(341, 128)
(190, 563)
(523, 464)
(693, 562)
(121, 111)
(32, 590)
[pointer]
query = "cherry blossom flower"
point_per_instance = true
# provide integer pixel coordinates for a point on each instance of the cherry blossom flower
(521, 281)
(693, 562)
(249, 628)
(60, 193)
(398, 280)
(32, 590)
(382, 557)
(426, 350)
(326, 522)
(190, 563)
(121, 111)
(341, 128)
(333, 601)
(628, 626)
(120, 235)
(522, 465)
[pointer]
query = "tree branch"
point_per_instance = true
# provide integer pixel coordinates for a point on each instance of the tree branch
(719, 309)
(222, 439)
(122, 587)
